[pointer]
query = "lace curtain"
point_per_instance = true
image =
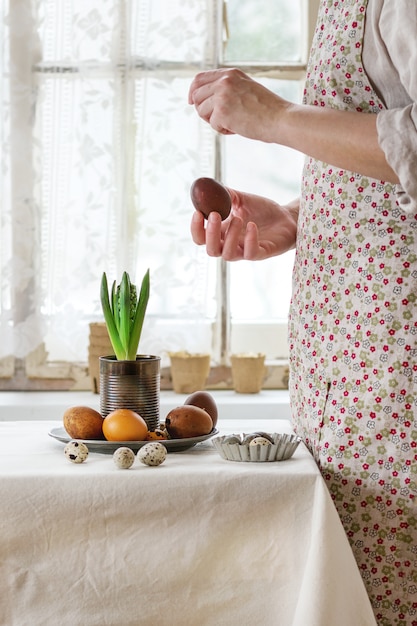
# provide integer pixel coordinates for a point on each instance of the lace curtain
(98, 151)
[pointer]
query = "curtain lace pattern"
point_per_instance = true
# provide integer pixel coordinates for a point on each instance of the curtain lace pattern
(98, 151)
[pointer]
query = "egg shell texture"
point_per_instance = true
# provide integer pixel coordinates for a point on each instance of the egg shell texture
(76, 451)
(204, 400)
(83, 422)
(152, 453)
(209, 195)
(246, 439)
(123, 457)
(260, 441)
(188, 421)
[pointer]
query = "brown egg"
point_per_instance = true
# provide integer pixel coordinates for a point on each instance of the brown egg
(205, 401)
(188, 421)
(83, 422)
(209, 195)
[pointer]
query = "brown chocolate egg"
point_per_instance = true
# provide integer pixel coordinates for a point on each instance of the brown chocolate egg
(209, 195)
(188, 421)
(205, 401)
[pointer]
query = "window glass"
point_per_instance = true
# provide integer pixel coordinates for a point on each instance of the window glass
(97, 94)
(176, 31)
(262, 290)
(267, 31)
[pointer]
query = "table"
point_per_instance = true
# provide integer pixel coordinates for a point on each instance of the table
(195, 541)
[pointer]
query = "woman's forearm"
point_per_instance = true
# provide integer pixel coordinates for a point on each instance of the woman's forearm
(233, 103)
(344, 139)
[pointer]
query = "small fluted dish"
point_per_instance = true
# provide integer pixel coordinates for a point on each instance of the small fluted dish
(242, 447)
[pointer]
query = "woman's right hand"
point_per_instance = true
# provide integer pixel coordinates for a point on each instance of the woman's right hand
(256, 229)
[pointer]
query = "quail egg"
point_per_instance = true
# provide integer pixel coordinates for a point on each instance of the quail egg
(260, 433)
(246, 439)
(260, 441)
(123, 457)
(76, 451)
(152, 453)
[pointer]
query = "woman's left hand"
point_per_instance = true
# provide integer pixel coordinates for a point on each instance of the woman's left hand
(232, 103)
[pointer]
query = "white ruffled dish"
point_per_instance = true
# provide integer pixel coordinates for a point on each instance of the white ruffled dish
(281, 448)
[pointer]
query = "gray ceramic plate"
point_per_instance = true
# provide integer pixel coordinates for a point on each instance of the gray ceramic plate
(108, 447)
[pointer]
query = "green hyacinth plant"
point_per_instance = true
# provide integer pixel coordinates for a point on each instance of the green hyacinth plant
(124, 313)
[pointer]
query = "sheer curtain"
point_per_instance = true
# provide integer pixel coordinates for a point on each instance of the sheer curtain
(99, 148)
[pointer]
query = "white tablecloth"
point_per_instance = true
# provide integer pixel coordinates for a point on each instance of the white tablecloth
(195, 541)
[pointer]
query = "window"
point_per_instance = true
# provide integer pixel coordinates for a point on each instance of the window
(99, 149)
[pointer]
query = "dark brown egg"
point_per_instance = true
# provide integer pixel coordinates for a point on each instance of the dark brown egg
(209, 195)
(188, 421)
(205, 401)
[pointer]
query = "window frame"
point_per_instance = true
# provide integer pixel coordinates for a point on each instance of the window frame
(258, 333)
(36, 372)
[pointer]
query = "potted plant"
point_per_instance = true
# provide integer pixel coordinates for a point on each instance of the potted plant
(127, 379)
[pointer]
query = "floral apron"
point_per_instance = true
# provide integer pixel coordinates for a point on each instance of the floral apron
(353, 335)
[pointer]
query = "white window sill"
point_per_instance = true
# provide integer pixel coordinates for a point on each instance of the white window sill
(50, 405)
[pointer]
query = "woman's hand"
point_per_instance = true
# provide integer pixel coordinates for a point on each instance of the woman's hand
(256, 229)
(232, 103)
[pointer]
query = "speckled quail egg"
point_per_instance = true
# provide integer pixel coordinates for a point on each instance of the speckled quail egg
(260, 441)
(123, 457)
(152, 453)
(260, 433)
(246, 439)
(76, 451)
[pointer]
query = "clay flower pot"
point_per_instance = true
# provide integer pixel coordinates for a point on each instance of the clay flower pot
(99, 345)
(189, 371)
(248, 372)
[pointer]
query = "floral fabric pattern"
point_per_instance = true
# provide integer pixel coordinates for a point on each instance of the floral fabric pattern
(353, 335)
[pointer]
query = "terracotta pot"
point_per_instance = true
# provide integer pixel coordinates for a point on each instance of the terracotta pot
(99, 345)
(248, 372)
(189, 371)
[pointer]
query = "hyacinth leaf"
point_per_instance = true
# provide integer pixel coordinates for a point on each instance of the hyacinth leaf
(137, 324)
(124, 311)
(115, 306)
(109, 319)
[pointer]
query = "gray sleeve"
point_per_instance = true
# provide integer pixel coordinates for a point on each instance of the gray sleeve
(397, 126)
(397, 135)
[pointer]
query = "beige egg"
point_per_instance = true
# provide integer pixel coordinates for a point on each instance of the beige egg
(153, 453)
(123, 457)
(76, 451)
